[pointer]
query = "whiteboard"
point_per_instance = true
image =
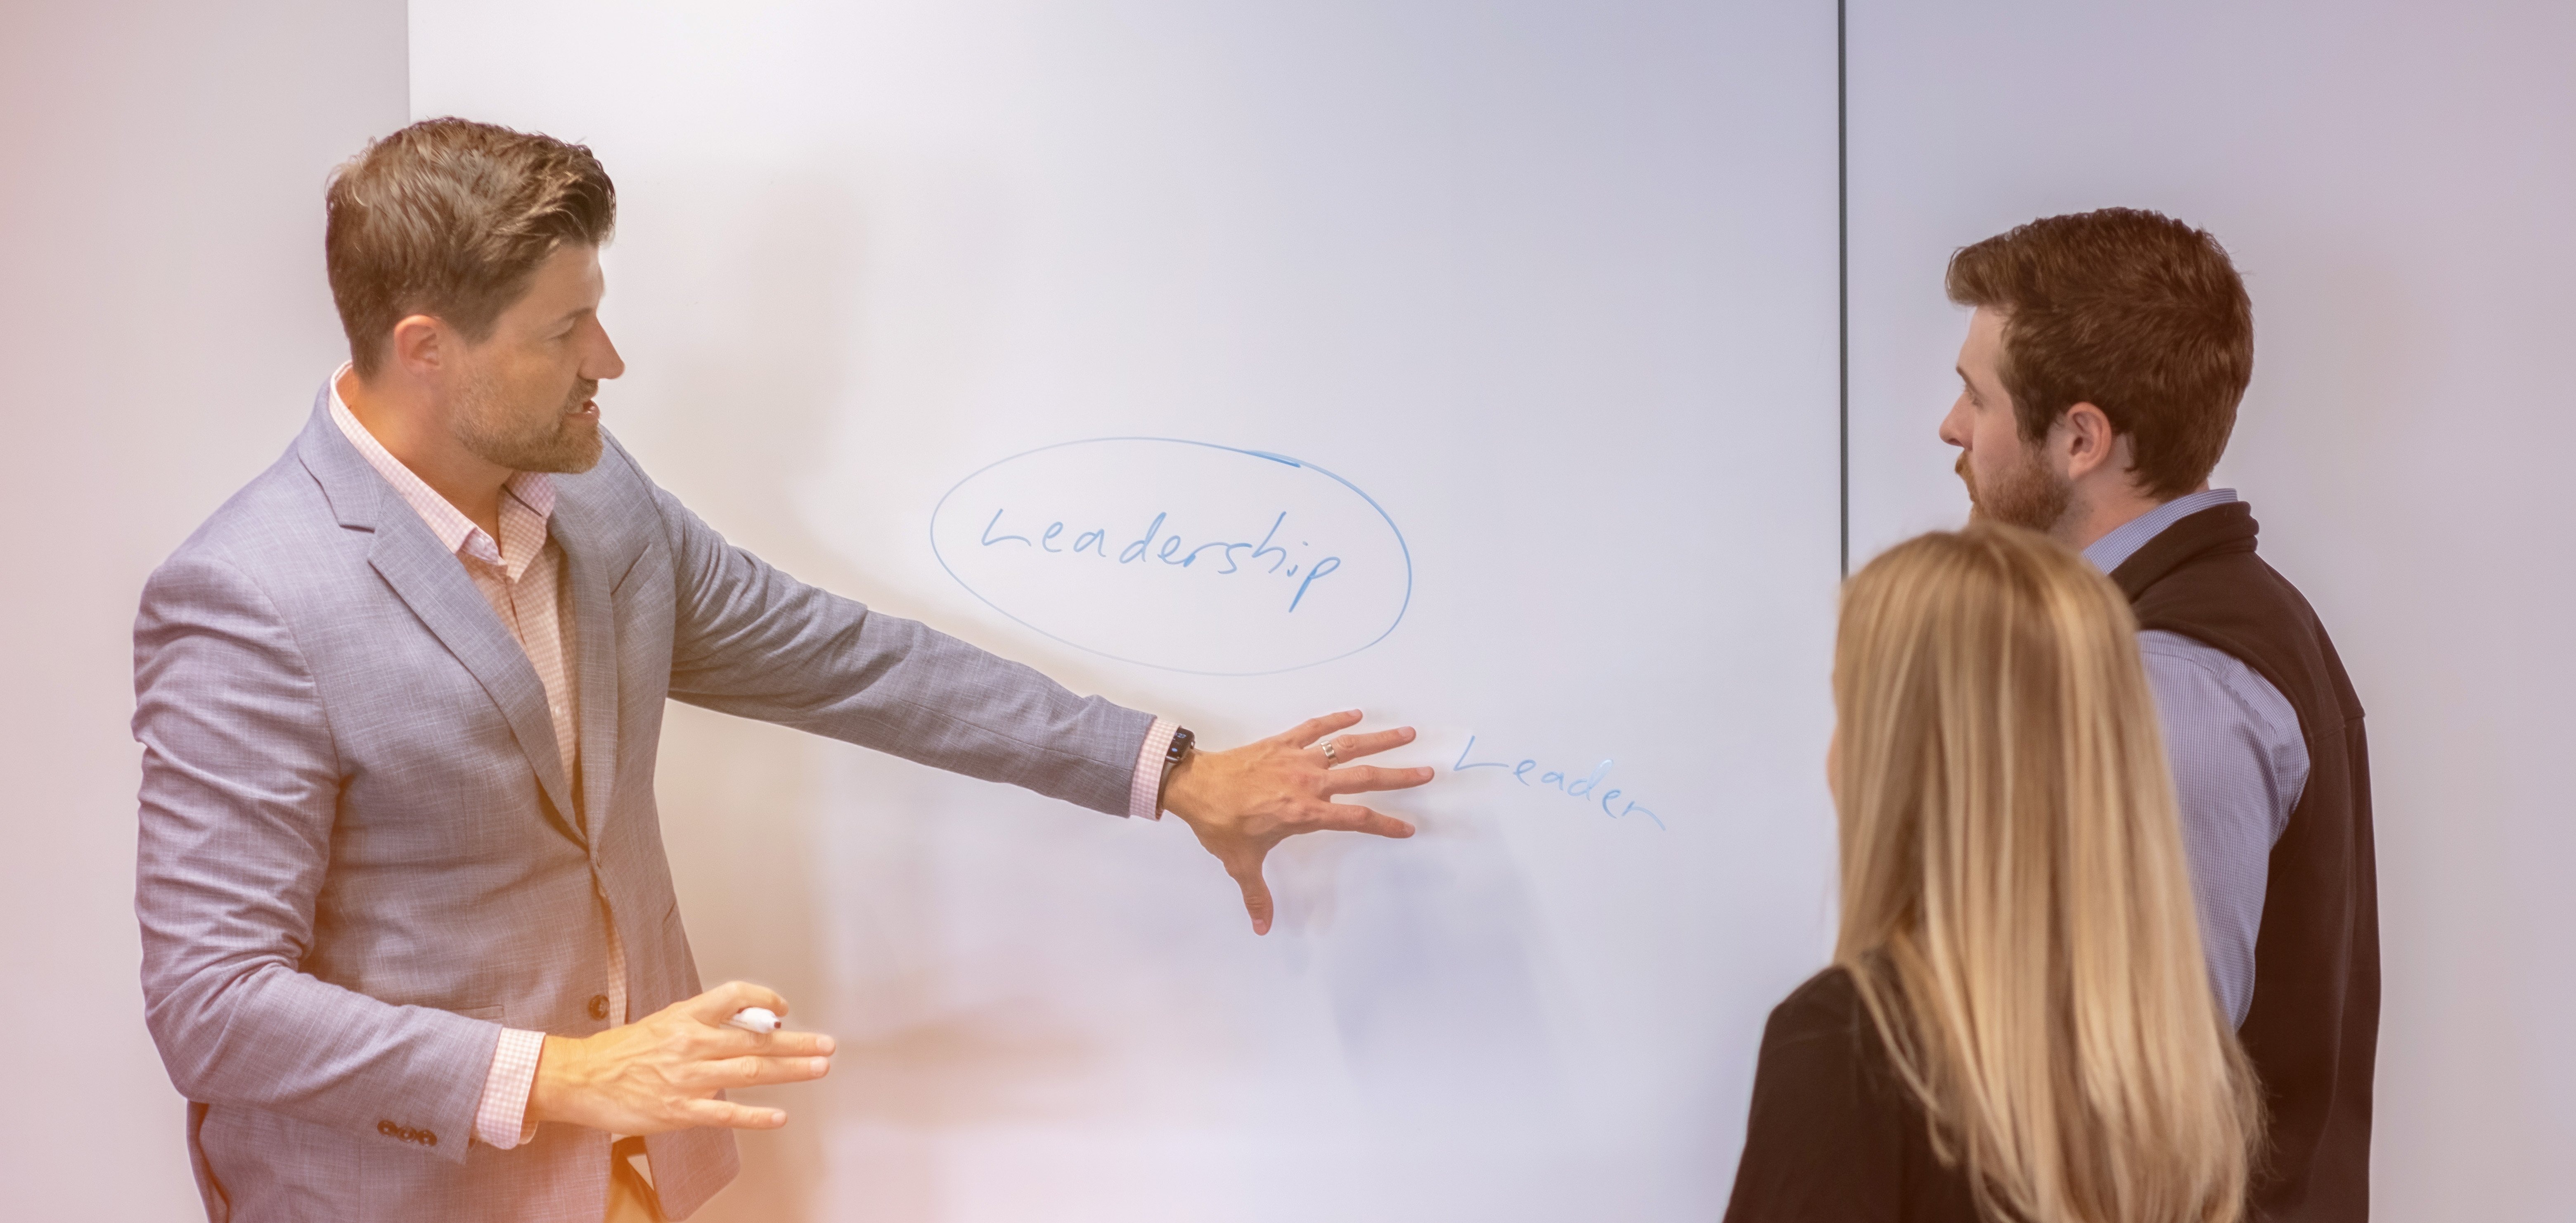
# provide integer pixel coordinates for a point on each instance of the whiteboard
(1471, 365)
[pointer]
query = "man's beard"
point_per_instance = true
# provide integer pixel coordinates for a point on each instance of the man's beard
(2027, 495)
(486, 426)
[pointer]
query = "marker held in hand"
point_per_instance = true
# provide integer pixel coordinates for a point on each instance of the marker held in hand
(757, 1020)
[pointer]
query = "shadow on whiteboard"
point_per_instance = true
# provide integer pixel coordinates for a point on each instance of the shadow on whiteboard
(1430, 967)
(1186, 556)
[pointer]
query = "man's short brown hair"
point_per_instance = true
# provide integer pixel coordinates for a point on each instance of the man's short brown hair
(2133, 312)
(451, 218)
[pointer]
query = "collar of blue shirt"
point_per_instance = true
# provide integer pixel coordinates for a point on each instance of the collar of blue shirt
(2123, 542)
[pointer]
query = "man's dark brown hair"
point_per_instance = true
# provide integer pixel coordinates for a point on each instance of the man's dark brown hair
(451, 218)
(2133, 312)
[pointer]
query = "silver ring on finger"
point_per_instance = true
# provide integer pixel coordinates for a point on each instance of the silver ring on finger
(1330, 756)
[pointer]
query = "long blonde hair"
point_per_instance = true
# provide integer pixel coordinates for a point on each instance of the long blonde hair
(2016, 909)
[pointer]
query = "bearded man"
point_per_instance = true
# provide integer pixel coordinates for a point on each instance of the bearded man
(2100, 379)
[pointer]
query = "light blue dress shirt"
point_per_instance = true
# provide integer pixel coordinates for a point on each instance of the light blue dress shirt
(2239, 765)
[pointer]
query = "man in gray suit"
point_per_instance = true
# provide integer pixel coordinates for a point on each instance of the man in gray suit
(411, 949)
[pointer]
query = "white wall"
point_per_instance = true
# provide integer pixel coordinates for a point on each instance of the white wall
(2398, 184)
(163, 326)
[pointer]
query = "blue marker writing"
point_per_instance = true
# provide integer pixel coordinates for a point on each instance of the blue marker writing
(1560, 781)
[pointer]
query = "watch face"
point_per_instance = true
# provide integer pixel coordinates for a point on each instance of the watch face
(1181, 741)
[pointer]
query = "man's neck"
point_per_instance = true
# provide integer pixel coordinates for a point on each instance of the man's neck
(407, 428)
(2103, 511)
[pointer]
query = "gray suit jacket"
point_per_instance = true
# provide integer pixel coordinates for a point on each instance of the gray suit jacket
(362, 855)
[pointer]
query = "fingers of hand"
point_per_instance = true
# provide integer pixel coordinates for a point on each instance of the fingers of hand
(794, 1044)
(1352, 747)
(711, 1043)
(1345, 817)
(761, 1071)
(1360, 779)
(1305, 733)
(1256, 894)
(731, 1115)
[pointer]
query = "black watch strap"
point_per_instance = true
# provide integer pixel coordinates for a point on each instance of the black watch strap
(1182, 741)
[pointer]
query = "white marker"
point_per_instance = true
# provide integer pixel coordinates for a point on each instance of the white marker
(755, 1019)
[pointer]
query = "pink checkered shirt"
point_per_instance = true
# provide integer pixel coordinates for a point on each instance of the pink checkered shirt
(521, 576)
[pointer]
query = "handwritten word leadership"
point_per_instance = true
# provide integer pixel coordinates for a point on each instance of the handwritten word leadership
(1586, 787)
(1218, 556)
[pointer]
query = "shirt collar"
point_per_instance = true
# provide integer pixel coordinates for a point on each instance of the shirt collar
(2110, 551)
(456, 532)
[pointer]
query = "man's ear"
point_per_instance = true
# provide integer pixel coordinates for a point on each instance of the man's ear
(419, 346)
(2085, 438)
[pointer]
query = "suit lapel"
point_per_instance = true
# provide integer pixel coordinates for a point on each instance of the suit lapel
(434, 584)
(588, 568)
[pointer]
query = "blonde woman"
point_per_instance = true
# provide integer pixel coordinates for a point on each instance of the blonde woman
(2018, 1024)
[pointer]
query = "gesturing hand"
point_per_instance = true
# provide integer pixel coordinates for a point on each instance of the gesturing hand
(1244, 801)
(658, 1074)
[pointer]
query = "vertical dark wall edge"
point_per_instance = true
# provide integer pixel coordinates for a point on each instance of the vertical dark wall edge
(1842, 268)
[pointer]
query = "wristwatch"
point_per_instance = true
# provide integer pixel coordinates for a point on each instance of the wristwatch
(1182, 740)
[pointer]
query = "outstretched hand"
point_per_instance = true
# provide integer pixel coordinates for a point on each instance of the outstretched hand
(1243, 801)
(662, 1072)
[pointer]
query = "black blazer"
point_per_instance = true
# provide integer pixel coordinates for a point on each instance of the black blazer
(1834, 1134)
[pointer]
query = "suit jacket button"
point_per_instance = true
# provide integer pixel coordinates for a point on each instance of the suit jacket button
(428, 1139)
(386, 1128)
(599, 1006)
